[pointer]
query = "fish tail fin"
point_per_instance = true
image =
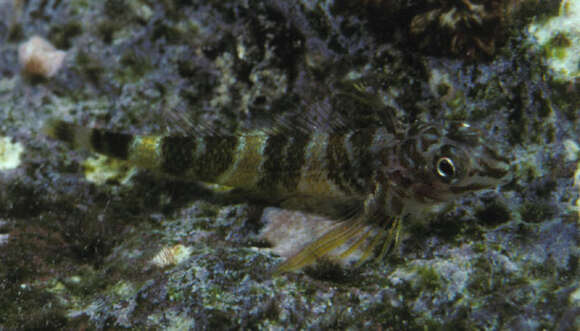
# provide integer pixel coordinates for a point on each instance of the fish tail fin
(100, 141)
(74, 135)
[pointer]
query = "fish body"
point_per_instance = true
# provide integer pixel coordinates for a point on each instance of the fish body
(380, 175)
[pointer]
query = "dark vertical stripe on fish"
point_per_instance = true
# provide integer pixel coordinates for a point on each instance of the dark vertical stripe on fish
(177, 155)
(273, 159)
(110, 143)
(217, 157)
(359, 149)
(338, 163)
(294, 159)
(63, 131)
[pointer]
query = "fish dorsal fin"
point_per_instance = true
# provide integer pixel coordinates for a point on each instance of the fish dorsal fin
(182, 124)
(350, 105)
(367, 107)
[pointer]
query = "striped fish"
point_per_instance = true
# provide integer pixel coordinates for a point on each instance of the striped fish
(371, 176)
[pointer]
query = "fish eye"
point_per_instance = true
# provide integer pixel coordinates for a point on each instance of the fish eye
(445, 168)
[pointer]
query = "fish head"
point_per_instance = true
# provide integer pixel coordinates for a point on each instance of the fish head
(438, 164)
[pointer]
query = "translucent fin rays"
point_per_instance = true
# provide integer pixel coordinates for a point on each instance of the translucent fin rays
(341, 234)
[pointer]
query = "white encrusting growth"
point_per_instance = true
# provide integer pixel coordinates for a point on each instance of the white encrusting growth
(38, 57)
(169, 256)
(9, 153)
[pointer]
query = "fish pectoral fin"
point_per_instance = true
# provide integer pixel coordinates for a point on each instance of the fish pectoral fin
(389, 238)
(324, 245)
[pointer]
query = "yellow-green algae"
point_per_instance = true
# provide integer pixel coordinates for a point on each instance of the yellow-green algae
(559, 39)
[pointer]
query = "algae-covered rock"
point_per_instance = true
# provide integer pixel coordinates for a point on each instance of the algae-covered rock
(93, 245)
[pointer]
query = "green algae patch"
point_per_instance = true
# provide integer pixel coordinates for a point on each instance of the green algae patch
(429, 279)
(133, 66)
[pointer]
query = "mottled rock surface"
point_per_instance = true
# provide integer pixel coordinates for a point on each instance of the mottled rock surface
(139, 251)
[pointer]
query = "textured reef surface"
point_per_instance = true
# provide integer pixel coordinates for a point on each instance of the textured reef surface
(86, 242)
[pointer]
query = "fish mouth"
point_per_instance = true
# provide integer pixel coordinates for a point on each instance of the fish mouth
(496, 163)
(490, 169)
(497, 170)
(487, 176)
(459, 190)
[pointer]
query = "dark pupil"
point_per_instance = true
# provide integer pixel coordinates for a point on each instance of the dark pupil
(445, 167)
